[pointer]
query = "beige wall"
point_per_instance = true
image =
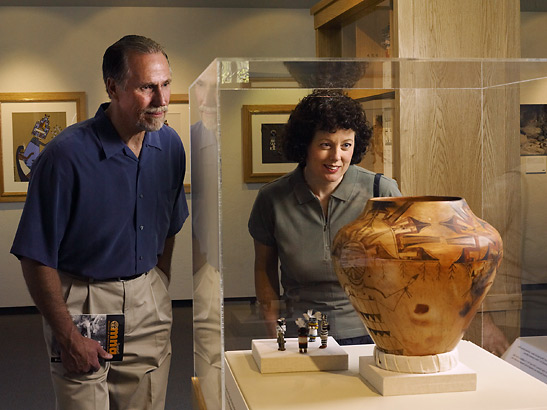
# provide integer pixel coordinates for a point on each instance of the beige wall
(60, 49)
(533, 29)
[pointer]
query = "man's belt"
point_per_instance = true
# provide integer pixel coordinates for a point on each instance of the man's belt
(92, 280)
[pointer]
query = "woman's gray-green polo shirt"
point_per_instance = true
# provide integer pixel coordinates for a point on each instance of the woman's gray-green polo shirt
(287, 215)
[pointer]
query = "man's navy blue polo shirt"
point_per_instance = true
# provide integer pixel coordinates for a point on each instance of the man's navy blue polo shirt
(94, 209)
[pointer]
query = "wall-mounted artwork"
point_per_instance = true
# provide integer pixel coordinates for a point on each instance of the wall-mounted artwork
(263, 127)
(533, 129)
(29, 121)
(178, 119)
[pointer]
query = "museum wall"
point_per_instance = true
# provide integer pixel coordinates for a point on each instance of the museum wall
(59, 49)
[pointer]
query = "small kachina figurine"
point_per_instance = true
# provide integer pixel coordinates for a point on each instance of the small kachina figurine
(302, 335)
(324, 333)
(312, 323)
(281, 328)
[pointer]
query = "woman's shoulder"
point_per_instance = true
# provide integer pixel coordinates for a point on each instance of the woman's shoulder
(363, 173)
(282, 184)
(388, 186)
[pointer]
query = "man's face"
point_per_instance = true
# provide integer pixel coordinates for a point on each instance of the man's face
(206, 96)
(144, 95)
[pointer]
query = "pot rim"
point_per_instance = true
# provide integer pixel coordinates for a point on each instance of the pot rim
(425, 198)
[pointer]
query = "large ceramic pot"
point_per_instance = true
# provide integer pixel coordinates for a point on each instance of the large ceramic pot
(416, 270)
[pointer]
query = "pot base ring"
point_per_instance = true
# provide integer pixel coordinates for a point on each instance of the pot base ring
(416, 364)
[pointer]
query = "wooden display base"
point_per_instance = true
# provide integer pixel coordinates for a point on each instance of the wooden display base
(388, 383)
(270, 360)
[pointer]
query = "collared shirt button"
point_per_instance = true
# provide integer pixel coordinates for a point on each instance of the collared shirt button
(140, 258)
(141, 227)
(141, 196)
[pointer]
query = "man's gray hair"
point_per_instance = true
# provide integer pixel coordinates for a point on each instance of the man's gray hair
(115, 64)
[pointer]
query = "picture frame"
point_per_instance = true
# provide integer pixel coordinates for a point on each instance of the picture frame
(533, 129)
(28, 121)
(178, 118)
(262, 126)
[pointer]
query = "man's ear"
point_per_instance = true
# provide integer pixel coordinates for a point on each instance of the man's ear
(111, 88)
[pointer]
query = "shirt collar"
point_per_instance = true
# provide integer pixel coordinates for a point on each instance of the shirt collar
(152, 139)
(342, 192)
(301, 189)
(110, 139)
(345, 188)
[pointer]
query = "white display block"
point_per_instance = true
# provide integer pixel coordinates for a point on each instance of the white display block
(271, 360)
(529, 354)
(388, 383)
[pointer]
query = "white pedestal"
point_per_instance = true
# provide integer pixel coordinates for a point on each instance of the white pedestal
(500, 386)
(271, 360)
(388, 383)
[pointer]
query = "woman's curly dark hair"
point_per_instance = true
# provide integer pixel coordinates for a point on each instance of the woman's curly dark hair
(325, 110)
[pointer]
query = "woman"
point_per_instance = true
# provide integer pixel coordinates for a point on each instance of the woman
(295, 218)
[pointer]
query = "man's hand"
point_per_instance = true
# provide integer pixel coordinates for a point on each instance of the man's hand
(79, 354)
(82, 354)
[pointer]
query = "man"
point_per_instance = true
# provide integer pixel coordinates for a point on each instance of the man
(104, 203)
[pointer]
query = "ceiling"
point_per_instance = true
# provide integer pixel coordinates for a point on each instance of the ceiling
(286, 4)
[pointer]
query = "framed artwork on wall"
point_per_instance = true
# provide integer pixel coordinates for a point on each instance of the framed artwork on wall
(262, 129)
(178, 119)
(533, 129)
(28, 122)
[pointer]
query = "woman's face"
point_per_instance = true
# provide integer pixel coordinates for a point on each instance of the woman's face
(329, 155)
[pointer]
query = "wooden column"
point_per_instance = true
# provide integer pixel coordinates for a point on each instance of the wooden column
(449, 142)
(447, 148)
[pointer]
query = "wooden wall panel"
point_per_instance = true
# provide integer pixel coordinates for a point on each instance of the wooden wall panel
(465, 28)
(330, 16)
(369, 34)
(439, 151)
(329, 13)
(328, 42)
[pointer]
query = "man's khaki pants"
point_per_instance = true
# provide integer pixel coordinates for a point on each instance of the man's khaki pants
(140, 380)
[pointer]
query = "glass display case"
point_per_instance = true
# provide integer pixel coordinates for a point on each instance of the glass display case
(471, 128)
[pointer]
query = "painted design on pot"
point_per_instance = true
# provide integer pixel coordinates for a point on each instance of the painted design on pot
(416, 270)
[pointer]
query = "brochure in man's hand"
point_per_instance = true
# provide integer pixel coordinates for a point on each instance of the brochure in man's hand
(106, 329)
